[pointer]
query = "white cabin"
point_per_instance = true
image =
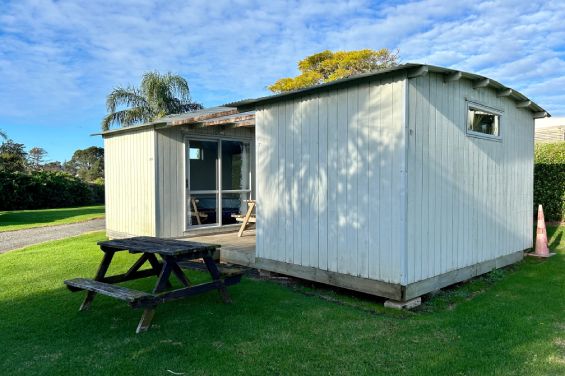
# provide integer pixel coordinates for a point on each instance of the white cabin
(394, 183)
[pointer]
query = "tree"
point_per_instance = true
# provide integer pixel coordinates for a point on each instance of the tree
(52, 166)
(35, 158)
(159, 95)
(328, 66)
(12, 157)
(87, 164)
(3, 135)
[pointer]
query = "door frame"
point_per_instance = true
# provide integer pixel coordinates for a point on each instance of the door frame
(218, 191)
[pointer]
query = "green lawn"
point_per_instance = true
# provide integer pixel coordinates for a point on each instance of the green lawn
(510, 322)
(22, 219)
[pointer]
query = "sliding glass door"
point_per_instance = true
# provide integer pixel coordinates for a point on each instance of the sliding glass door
(218, 181)
(202, 203)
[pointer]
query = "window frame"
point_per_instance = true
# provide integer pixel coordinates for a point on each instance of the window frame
(473, 105)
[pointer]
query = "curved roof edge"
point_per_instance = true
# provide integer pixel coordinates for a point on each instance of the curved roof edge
(413, 70)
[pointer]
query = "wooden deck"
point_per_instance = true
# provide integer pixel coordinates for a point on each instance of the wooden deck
(234, 250)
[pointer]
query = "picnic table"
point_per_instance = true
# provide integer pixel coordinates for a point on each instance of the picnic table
(174, 254)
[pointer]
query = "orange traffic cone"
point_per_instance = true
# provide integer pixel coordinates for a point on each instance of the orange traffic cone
(541, 237)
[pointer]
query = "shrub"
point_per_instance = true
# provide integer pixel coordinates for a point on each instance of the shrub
(97, 190)
(46, 189)
(549, 180)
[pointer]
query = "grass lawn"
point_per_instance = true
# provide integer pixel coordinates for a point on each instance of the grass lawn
(22, 219)
(510, 322)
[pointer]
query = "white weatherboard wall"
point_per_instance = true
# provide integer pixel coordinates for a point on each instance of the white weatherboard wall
(170, 182)
(129, 183)
(379, 180)
(469, 199)
(331, 178)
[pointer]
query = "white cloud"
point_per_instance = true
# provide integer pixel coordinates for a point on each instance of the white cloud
(60, 58)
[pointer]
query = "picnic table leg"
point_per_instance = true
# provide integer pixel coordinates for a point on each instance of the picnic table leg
(102, 269)
(176, 269)
(213, 269)
(145, 321)
(157, 267)
(137, 265)
(163, 279)
(170, 265)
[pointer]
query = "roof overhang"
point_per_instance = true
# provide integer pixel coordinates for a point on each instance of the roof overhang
(412, 71)
(208, 117)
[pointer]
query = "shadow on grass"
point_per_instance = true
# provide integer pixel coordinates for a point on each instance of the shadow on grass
(273, 329)
(200, 334)
(513, 326)
(556, 241)
(47, 215)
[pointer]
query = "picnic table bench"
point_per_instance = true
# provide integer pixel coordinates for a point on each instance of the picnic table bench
(174, 254)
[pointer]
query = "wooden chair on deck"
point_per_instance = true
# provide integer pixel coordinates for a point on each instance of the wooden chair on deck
(246, 219)
(195, 213)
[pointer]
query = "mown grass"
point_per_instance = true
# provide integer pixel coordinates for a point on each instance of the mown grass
(509, 322)
(23, 219)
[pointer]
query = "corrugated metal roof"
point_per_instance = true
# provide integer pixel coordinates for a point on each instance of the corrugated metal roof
(411, 68)
(230, 112)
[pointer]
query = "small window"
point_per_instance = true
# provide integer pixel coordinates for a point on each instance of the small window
(196, 154)
(483, 121)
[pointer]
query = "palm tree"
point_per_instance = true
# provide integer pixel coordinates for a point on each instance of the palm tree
(3, 135)
(159, 95)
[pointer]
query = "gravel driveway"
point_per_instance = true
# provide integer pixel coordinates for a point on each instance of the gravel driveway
(11, 240)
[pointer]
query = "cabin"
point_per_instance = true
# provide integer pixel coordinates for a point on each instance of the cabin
(394, 183)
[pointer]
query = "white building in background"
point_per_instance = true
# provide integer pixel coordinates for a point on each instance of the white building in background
(550, 129)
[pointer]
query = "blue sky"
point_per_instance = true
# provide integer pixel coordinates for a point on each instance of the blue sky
(59, 59)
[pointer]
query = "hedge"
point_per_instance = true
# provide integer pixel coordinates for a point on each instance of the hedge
(46, 189)
(549, 180)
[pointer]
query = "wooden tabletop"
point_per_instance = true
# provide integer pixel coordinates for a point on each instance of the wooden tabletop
(168, 247)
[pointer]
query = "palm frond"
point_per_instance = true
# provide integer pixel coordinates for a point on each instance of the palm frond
(3, 135)
(165, 93)
(155, 91)
(129, 97)
(178, 87)
(127, 117)
(159, 95)
(190, 106)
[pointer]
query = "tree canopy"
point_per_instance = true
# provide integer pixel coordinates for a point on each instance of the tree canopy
(36, 158)
(158, 95)
(328, 66)
(12, 157)
(87, 164)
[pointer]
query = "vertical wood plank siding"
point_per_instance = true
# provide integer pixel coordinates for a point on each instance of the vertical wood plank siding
(130, 183)
(170, 183)
(469, 199)
(329, 171)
